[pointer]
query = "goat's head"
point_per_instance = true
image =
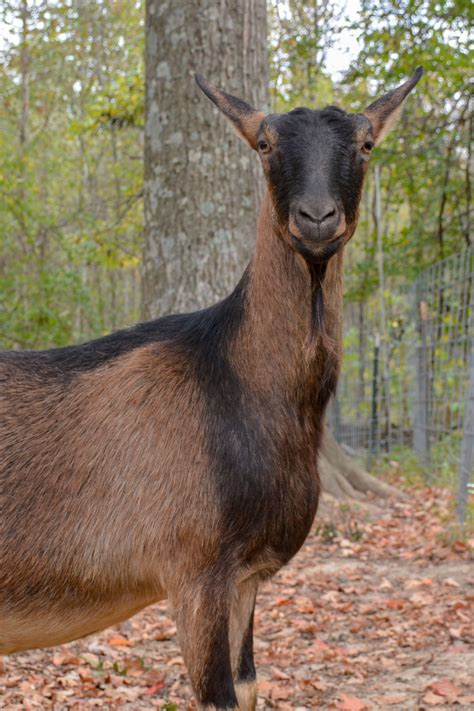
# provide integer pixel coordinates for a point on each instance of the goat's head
(314, 162)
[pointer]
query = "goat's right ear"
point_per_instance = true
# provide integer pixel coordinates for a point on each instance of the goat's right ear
(243, 117)
(384, 112)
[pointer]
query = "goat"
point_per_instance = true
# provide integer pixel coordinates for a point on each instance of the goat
(178, 458)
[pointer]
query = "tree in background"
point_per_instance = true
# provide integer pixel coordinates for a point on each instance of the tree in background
(201, 184)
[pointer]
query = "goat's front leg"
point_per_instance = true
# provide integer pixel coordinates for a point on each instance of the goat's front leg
(241, 646)
(202, 621)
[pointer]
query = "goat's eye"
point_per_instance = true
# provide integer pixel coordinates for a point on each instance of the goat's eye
(367, 147)
(264, 147)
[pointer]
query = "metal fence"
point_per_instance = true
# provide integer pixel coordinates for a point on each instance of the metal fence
(407, 383)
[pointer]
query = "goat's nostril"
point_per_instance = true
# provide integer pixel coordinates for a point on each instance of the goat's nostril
(328, 215)
(317, 212)
(308, 216)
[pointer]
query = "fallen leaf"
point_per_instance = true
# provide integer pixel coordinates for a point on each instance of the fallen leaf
(278, 674)
(466, 700)
(119, 641)
(395, 604)
(281, 601)
(433, 699)
(350, 703)
(64, 658)
(154, 689)
(390, 699)
(446, 688)
(281, 693)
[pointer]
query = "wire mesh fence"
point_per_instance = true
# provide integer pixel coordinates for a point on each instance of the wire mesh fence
(407, 383)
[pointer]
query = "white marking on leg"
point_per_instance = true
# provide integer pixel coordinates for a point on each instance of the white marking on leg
(247, 695)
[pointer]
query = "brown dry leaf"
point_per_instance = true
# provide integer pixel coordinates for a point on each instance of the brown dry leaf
(466, 700)
(265, 686)
(395, 604)
(163, 635)
(281, 601)
(66, 657)
(279, 674)
(159, 686)
(433, 699)
(85, 674)
(319, 685)
(391, 699)
(119, 641)
(351, 703)
(281, 693)
(175, 660)
(445, 687)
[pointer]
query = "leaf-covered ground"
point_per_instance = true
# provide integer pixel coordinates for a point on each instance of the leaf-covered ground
(375, 612)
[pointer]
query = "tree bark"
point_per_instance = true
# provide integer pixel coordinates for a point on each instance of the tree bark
(201, 182)
(343, 478)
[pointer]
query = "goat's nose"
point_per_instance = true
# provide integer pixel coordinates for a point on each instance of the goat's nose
(317, 211)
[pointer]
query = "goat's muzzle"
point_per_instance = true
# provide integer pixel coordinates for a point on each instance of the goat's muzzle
(317, 229)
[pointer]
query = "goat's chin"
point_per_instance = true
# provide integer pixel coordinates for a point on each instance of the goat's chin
(317, 250)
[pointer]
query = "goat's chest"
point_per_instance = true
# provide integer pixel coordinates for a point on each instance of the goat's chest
(268, 484)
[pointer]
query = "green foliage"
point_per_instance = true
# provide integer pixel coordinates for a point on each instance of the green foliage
(426, 184)
(300, 34)
(70, 170)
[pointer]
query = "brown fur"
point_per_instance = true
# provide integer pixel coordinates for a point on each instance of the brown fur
(282, 315)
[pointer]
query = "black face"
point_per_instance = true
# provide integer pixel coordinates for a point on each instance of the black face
(315, 163)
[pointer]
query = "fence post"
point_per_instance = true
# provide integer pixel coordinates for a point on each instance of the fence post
(421, 440)
(467, 449)
(373, 407)
(385, 349)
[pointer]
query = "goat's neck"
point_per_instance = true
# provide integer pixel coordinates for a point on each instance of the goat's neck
(282, 346)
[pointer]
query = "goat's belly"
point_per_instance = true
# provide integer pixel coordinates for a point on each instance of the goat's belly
(46, 628)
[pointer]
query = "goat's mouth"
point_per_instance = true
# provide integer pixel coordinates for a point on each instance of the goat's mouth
(310, 245)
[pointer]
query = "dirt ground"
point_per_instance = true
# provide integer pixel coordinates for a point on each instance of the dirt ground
(375, 612)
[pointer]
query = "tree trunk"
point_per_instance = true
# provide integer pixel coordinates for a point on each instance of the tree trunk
(201, 183)
(343, 478)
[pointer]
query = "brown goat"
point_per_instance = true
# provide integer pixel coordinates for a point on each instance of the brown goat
(179, 458)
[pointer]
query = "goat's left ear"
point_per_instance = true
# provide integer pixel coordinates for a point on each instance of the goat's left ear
(384, 112)
(243, 117)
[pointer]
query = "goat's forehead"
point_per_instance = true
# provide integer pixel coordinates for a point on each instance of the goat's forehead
(303, 122)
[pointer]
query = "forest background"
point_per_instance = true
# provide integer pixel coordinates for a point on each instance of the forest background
(72, 103)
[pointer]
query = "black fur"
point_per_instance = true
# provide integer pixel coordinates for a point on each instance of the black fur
(217, 687)
(246, 670)
(316, 153)
(317, 272)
